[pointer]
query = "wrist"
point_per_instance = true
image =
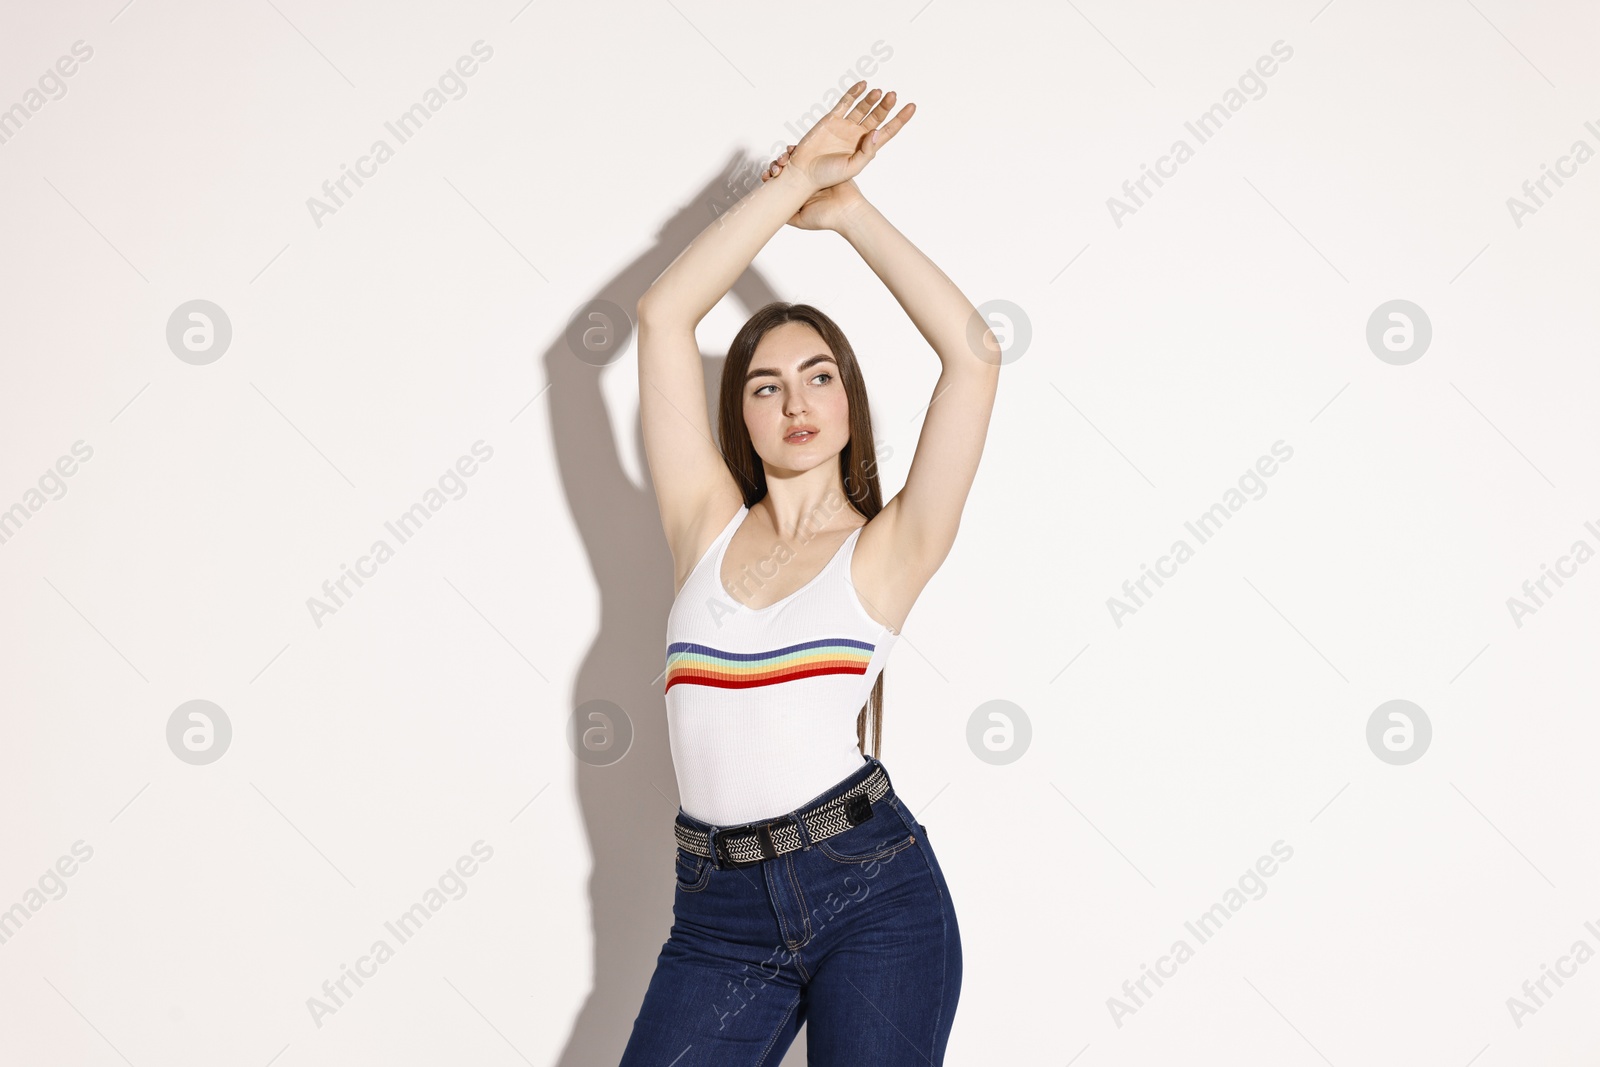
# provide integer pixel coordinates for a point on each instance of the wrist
(794, 178)
(853, 217)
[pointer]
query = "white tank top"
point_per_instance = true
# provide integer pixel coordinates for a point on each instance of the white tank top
(762, 702)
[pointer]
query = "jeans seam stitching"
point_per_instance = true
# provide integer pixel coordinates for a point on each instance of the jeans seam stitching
(783, 924)
(870, 857)
(778, 1030)
(800, 898)
(701, 880)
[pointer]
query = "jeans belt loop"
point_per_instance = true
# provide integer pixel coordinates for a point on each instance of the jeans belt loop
(765, 841)
(801, 829)
(711, 845)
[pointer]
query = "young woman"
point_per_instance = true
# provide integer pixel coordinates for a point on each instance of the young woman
(806, 890)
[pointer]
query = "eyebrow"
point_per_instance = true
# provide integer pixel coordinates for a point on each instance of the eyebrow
(769, 372)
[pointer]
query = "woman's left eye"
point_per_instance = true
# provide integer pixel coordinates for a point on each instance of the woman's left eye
(824, 374)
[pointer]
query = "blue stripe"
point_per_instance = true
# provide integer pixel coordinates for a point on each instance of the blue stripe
(826, 642)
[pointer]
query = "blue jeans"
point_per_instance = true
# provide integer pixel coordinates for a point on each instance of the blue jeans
(854, 935)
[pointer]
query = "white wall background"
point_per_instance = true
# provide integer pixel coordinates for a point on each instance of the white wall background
(1167, 355)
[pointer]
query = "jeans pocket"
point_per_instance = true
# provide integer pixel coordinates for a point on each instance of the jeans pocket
(693, 872)
(876, 839)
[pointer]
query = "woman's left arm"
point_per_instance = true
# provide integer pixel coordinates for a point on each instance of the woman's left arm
(923, 518)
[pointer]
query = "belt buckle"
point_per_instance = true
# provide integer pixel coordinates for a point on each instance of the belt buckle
(764, 841)
(723, 855)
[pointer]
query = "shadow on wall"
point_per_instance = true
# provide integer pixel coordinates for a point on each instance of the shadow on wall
(628, 806)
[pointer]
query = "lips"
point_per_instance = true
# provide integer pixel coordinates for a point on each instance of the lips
(800, 435)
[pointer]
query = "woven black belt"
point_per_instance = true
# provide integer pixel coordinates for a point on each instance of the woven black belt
(742, 846)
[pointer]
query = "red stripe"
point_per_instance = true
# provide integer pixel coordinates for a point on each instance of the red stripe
(722, 681)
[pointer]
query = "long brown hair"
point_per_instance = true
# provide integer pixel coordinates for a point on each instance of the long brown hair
(858, 464)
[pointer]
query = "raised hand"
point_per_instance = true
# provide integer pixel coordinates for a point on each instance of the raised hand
(825, 209)
(847, 138)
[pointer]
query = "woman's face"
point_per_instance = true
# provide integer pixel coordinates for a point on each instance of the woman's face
(793, 384)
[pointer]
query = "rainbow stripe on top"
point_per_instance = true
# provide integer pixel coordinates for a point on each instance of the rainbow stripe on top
(695, 664)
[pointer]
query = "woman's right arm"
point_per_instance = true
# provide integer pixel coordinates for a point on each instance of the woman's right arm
(691, 481)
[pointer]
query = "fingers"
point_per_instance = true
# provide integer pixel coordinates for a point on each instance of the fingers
(778, 164)
(861, 110)
(877, 137)
(895, 125)
(871, 118)
(847, 101)
(881, 112)
(868, 112)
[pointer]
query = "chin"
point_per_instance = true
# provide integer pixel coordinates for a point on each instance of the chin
(799, 465)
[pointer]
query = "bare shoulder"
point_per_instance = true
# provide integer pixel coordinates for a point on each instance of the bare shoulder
(890, 568)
